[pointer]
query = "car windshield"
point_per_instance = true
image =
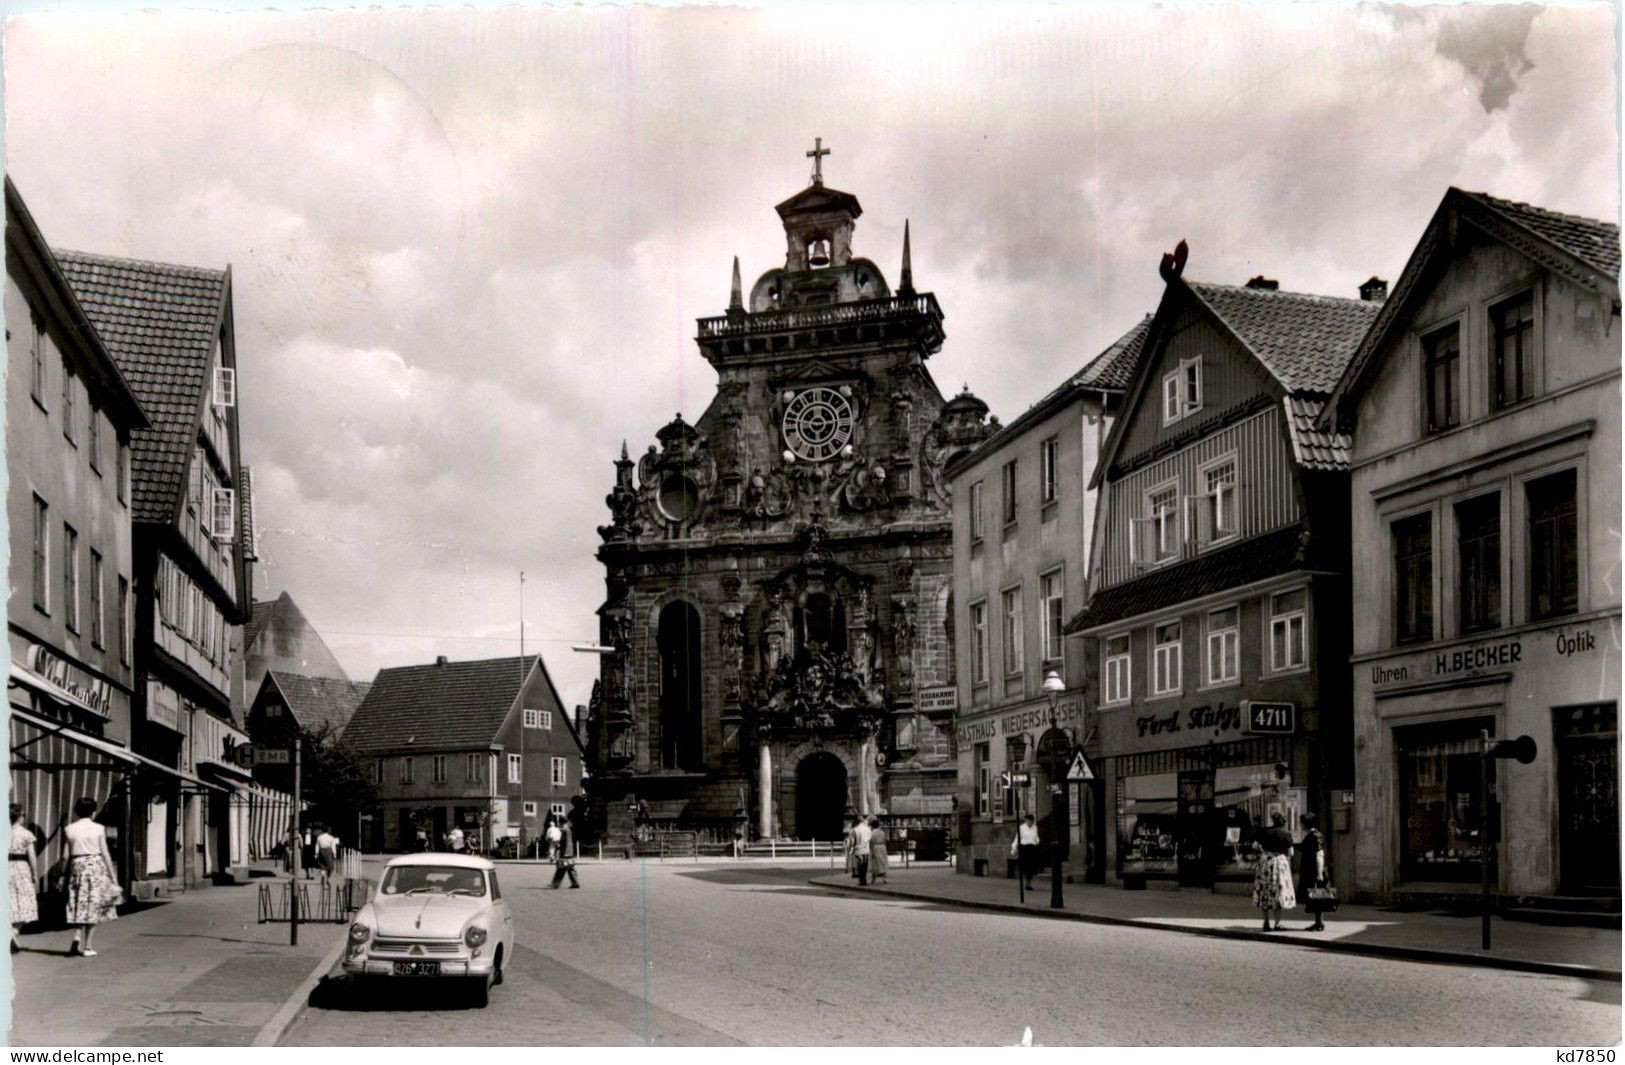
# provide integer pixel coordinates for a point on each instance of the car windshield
(433, 880)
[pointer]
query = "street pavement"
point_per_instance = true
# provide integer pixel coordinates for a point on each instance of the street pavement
(196, 970)
(681, 953)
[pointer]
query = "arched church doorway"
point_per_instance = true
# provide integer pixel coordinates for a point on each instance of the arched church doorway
(678, 638)
(820, 796)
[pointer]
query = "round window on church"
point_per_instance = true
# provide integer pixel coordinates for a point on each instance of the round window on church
(679, 497)
(817, 424)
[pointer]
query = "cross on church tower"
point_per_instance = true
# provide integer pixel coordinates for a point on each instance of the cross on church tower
(817, 156)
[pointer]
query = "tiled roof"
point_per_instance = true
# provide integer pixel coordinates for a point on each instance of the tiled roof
(451, 706)
(258, 617)
(1251, 560)
(159, 323)
(317, 701)
(1305, 341)
(1114, 367)
(1314, 448)
(1587, 239)
(245, 503)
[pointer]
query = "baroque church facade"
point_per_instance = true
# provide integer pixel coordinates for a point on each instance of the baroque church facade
(778, 572)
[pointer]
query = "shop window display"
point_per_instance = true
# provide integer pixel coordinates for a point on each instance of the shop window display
(1152, 835)
(1440, 802)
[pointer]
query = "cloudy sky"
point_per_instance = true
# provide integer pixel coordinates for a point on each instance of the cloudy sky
(469, 248)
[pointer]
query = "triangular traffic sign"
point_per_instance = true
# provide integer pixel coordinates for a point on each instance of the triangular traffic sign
(1080, 769)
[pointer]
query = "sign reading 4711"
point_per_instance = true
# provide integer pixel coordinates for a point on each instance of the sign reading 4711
(1270, 719)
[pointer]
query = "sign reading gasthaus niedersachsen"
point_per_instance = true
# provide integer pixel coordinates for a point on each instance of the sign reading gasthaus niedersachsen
(1271, 718)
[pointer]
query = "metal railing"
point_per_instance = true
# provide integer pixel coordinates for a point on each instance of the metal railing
(819, 317)
(333, 901)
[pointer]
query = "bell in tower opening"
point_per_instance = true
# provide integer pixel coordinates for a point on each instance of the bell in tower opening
(778, 572)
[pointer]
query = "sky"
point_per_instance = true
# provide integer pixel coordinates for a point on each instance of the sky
(468, 248)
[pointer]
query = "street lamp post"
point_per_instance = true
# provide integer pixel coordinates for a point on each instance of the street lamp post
(1053, 687)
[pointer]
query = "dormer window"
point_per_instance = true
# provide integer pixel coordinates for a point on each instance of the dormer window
(225, 386)
(1182, 391)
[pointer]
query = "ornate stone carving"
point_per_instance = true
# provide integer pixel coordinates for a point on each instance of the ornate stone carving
(623, 504)
(819, 692)
(902, 635)
(775, 630)
(731, 638)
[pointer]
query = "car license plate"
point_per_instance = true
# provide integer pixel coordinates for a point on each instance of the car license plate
(417, 968)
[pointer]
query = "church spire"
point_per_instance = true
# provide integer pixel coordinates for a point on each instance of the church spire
(905, 283)
(736, 298)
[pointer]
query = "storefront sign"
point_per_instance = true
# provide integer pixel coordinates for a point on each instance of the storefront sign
(163, 706)
(1576, 643)
(1457, 661)
(93, 692)
(1220, 718)
(1067, 711)
(1271, 719)
(937, 700)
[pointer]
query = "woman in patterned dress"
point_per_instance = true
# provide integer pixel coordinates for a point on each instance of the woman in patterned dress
(93, 889)
(23, 875)
(1272, 880)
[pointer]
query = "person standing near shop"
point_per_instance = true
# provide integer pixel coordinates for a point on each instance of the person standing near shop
(456, 839)
(327, 852)
(1027, 850)
(23, 876)
(879, 860)
(564, 859)
(1272, 879)
(860, 849)
(1312, 870)
(93, 891)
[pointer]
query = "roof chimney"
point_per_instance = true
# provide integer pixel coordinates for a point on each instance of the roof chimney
(439, 660)
(1267, 284)
(1374, 290)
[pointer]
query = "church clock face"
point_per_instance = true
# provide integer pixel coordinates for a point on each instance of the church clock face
(817, 424)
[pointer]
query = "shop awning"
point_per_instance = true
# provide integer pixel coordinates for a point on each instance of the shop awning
(229, 774)
(26, 677)
(53, 766)
(40, 743)
(189, 782)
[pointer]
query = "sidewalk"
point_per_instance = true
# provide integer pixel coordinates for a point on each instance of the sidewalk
(1424, 936)
(194, 971)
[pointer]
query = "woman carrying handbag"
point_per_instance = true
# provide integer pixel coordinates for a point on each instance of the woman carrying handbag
(1319, 897)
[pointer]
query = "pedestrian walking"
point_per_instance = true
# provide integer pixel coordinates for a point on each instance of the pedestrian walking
(1312, 875)
(552, 837)
(1027, 850)
(456, 839)
(1272, 879)
(564, 859)
(879, 860)
(849, 846)
(327, 851)
(93, 891)
(307, 851)
(861, 834)
(23, 874)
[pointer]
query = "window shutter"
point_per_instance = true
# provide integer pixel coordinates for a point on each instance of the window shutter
(1206, 511)
(1193, 384)
(194, 484)
(1170, 397)
(225, 386)
(1135, 555)
(1189, 520)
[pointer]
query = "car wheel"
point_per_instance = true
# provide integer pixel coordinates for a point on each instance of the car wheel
(481, 993)
(496, 977)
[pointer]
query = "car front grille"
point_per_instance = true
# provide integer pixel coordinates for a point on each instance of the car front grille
(415, 948)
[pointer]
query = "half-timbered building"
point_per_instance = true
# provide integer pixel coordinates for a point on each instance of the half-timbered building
(1218, 580)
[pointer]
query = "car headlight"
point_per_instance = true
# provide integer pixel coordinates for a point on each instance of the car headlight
(474, 936)
(360, 933)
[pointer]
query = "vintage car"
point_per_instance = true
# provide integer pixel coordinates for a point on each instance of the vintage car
(434, 915)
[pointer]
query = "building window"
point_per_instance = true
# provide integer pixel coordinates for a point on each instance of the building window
(682, 722)
(36, 354)
(1478, 541)
(68, 406)
(1223, 645)
(437, 769)
(1117, 667)
(1216, 510)
(93, 438)
(978, 643)
(983, 754)
(223, 521)
(560, 773)
(474, 768)
(124, 620)
(1011, 797)
(1166, 659)
(408, 774)
(1007, 482)
(98, 621)
(1288, 641)
(976, 511)
(1049, 454)
(1413, 579)
(516, 768)
(530, 808)
(542, 719)
(377, 763)
(1164, 507)
(1442, 349)
(225, 386)
(1012, 631)
(1182, 390)
(70, 577)
(42, 557)
(1554, 546)
(1514, 324)
(123, 472)
(1051, 594)
(1439, 800)
(558, 811)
